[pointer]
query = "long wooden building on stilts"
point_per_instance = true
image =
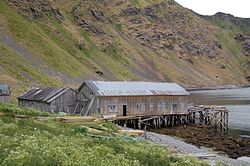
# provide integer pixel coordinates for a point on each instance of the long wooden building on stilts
(138, 102)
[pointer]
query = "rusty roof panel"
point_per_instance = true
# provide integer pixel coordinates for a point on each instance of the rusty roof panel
(105, 88)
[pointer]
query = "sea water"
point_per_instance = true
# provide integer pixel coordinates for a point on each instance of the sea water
(237, 102)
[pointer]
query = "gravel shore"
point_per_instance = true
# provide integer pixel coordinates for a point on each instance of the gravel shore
(188, 149)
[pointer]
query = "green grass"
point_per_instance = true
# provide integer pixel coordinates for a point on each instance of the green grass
(16, 66)
(39, 42)
(31, 142)
(135, 2)
(12, 110)
(231, 45)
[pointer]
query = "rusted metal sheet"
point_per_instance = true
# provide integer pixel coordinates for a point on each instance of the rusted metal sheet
(103, 88)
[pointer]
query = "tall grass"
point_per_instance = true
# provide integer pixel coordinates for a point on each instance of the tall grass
(30, 142)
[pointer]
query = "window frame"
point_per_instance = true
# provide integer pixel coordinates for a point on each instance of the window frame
(112, 109)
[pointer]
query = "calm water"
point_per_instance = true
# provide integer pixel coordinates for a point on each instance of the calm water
(236, 100)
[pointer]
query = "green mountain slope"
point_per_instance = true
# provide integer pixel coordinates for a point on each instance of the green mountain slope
(61, 43)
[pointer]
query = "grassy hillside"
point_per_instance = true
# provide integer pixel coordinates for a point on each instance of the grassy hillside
(50, 142)
(61, 43)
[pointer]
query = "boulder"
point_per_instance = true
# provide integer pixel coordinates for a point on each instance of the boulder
(246, 48)
(100, 73)
(190, 61)
(150, 13)
(88, 26)
(80, 45)
(98, 15)
(240, 37)
(131, 11)
(222, 67)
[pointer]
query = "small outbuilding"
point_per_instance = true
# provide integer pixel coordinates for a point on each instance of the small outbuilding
(5, 93)
(51, 100)
(132, 98)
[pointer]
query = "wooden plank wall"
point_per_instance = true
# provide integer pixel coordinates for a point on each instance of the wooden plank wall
(150, 105)
(34, 104)
(4, 99)
(65, 102)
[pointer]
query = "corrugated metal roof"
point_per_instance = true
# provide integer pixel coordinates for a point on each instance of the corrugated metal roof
(43, 95)
(4, 89)
(105, 88)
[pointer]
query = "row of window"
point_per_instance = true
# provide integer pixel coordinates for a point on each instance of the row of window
(140, 107)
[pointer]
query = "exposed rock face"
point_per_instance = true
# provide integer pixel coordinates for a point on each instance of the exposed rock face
(37, 9)
(87, 26)
(98, 15)
(162, 27)
(244, 40)
(150, 13)
(246, 48)
(131, 11)
(240, 37)
(82, 17)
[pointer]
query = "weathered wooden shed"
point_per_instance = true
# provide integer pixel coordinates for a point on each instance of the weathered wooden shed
(133, 98)
(51, 100)
(5, 93)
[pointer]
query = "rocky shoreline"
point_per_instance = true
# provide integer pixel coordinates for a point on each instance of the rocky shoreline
(182, 148)
(232, 145)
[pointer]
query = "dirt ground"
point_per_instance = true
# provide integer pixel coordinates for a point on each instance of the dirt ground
(232, 145)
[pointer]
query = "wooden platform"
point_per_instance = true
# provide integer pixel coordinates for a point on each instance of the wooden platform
(216, 116)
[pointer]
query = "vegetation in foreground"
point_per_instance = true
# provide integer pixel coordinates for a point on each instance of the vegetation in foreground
(29, 141)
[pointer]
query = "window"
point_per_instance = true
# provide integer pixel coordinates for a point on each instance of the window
(174, 108)
(112, 108)
(161, 106)
(139, 107)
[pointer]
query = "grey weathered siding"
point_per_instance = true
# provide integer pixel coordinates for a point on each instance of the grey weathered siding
(87, 95)
(35, 104)
(141, 105)
(63, 103)
(81, 102)
(5, 99)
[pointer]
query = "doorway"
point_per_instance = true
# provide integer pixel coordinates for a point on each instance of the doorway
(124, 110)
(174, 108)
